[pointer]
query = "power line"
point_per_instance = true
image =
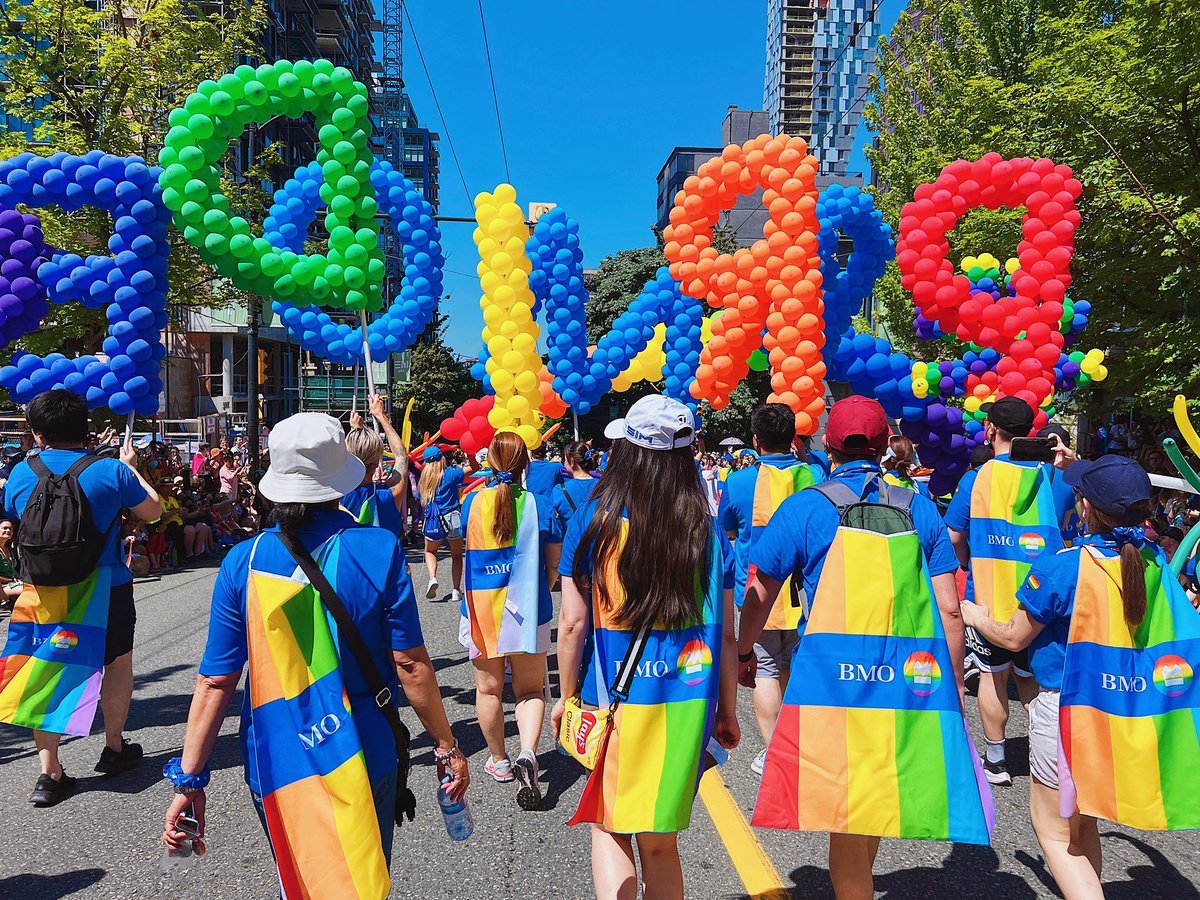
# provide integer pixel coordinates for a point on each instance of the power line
(495, 98)
(438, 105)
(853, 41)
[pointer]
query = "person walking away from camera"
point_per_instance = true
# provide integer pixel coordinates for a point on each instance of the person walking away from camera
(645, 565)
(580, 461)
(898, 464)
(320, 754)
(513, 540)
(542, 476)
(873, 714)
(73, 625)
(1113, 642)
(372, 503)
(438, 489)
(1004, 516)
(751, 497)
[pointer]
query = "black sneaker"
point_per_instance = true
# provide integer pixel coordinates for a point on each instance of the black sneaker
(114, 763)
(529, 794)
(48, 792)
(997, 773)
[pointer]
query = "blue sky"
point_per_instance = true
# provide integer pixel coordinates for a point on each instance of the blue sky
(592, 98)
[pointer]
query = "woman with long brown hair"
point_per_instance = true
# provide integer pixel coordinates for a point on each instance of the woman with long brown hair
(644, 566)
(898, 465)
(438, 489)
(512, 547)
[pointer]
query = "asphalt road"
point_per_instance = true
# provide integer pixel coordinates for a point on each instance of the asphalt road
(103, 843)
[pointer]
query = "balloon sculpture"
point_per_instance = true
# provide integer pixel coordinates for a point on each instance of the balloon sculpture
(350, 276)
(286, 227)
(130, 285)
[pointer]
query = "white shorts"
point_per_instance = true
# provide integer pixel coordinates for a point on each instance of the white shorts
(1044, 738)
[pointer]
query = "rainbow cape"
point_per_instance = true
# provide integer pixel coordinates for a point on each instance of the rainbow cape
(647, 776)
(53, 661)
(502, 580)
(1013, 523)
(317, 799)
(1129, 711)
(871, 737)
(771, 488)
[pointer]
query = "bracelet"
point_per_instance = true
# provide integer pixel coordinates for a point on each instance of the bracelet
(746, 657)
(443, 757)
(185, 781)
(188, 791)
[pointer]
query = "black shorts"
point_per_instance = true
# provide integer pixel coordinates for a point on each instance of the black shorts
(118, 639)
(990, 658)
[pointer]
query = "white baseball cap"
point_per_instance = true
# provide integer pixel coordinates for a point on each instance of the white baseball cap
(656, 423)
(309, 461)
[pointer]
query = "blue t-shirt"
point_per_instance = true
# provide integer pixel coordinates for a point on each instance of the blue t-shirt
(542, 476)
(109, 486)
(580, 492)
(802, 529)
(373, 584)
(549, 532)
(821, 458)
(737, 510)
(445, 498)
(1048, 595)
(386, 514)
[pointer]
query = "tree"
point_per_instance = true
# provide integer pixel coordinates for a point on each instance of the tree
(1111, 89)
(439, 380)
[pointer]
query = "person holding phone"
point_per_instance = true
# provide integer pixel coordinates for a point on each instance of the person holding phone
(1005, 515)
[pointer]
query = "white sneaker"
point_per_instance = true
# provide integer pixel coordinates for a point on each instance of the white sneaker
(431, 591)
(529, 796)
(455, 597)
(499, 769)
(759, 762)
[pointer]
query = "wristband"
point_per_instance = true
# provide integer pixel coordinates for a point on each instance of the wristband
(746, 657)
(444, 757)
(185, 782)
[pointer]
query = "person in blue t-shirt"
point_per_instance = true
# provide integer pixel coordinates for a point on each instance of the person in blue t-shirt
(797, 541)
(438, 489)
(542, 476)
(59, 420)
(747, 503)
(1007, 418)
(372, 502)
(579, 460)
(310, 472)
(898, 463)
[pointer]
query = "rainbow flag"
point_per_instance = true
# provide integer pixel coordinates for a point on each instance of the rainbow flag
(320, 813)
(771, 488)
(1129, 709)
(53, 660)
(1013, 523)
(871, 737)
(647, 777)
(503, 582)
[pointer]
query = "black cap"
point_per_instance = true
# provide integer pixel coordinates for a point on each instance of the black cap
(1010, 414)
(1051, 429)
(1111, 483)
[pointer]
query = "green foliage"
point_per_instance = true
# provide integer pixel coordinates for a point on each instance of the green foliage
(1111, 89)
(438, 379)
(734, 419)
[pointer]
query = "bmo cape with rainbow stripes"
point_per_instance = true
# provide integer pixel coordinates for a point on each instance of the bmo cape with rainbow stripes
(771, 488)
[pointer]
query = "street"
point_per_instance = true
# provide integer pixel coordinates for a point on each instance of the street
(104, 842)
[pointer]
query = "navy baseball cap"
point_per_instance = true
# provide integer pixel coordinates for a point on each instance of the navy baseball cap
(1111, 483)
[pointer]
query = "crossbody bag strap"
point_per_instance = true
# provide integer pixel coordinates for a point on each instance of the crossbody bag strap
(619, 692)
(563, 487)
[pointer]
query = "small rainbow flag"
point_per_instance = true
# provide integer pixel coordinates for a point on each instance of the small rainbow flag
(1013, 523)
(871, 737)
(502, 581)
(317, 798)
(1129, 710)
(53, 661)
(647, 776)
(772, 487)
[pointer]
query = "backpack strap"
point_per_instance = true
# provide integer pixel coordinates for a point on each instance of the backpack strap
(563, 488)
(836, 492)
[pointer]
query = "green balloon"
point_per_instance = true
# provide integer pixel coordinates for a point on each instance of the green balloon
(759, 361)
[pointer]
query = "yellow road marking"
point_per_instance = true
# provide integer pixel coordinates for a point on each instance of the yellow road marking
(753, 865)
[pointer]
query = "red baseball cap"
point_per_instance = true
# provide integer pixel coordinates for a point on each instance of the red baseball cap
(857, 427)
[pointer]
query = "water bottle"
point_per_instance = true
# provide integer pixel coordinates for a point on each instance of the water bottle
(460, 824)
(719, 754)
(177, 862)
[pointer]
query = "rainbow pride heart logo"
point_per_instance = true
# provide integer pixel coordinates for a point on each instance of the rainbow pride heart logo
(63, 640)
(922, 673)
(1033, 544)
(695, 660)
(1172, 675)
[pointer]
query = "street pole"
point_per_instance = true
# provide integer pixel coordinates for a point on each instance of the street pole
(252, 311)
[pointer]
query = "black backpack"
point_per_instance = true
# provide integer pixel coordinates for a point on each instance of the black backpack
(58, 540)
(890, 514)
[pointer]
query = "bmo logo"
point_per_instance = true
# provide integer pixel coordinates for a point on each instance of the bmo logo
(326, 728)
(1001, 540)
(857, 672)
(653, 668)
(1123, 683)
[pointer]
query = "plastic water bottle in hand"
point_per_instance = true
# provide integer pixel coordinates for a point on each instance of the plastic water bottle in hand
(719, 754)
(460, 824)
(192, 851)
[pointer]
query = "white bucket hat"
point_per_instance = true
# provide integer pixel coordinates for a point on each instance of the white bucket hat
(309, 461)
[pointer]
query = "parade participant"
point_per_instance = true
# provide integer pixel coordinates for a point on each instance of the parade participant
(11, 587)
(1103, 621)
(1003, 517)
(898, 464)
(749, 500)
(59, 495)
(542, 476)
(512, 546)
(644, 566)
(579, 460)
(438, 490)
(373, 503)
(319, 750)
(882, 599)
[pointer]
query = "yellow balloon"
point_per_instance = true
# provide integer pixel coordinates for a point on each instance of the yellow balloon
(525, 343)
(1011, 265)
(1101, 373)
(530, 435)
(505, 193)
(499, 417)
(502, 381)
(518, 406)
(513, 361)
(968, 263)
(526, 382)
(972, 404)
